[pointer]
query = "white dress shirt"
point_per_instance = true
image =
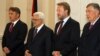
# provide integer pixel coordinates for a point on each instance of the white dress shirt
(64, 21)
(40, 27)
(15, 22)
(94, 21)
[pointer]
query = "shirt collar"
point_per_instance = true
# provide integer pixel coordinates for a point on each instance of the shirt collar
(65, 20)
(40, 27)
(94, 21)
(15, 22)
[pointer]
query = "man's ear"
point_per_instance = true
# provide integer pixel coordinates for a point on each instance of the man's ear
(97, 12)
(66, 12)
(18, 15)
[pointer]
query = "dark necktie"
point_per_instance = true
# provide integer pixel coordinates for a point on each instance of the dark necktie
(11, 27)
(90, 27)
(35, 33)
(60, 26)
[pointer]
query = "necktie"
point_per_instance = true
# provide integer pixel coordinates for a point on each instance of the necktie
(90, 27)
(60, 26)
(11, 27)
(35, 33)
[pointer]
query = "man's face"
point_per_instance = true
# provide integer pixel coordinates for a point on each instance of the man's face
(13, 15)
(61, 12)
(99, 14)
(91, 13)
(36, 21)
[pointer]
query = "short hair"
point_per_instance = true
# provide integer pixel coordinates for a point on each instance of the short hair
(40, 14)
(94, 5)
(66, 6)
(15, 9)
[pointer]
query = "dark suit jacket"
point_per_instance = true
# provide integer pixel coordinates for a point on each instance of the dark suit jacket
(66, 41)
(90, 40)
(41, 45)
(15, 40)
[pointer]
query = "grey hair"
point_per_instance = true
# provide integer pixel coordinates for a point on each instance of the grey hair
(95, 5)
(40, 14)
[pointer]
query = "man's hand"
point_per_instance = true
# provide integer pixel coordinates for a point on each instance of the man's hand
(6, 50)
(27, 53)
(56, 53)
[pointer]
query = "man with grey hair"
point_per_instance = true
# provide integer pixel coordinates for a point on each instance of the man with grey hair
(39, 38)
(90, 39)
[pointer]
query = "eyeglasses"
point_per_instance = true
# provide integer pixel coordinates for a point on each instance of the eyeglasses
(35, 19)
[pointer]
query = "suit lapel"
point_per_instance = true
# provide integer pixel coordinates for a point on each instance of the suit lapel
(40, 33)
(86, 30)
(66, 25)
(57, 25)
(15, 27)
(16, 24)
(95, 26)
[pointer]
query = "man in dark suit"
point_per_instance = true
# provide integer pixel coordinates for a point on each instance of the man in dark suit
(39, 41)
(67, 32)
(90, 39)
(14, 35)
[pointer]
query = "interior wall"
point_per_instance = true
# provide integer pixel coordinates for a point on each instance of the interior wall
(46, 6)
(78, 8)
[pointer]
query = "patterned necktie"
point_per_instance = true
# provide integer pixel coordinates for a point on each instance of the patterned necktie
(60, 26)
(90, 27)
(35, 33)
(11, 27)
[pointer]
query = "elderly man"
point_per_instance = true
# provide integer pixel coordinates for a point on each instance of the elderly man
(90, 39)
(39, 38)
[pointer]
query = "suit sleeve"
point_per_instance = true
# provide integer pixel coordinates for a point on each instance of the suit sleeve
(55, 39)
(4, 37)
(28, 39)
(48, 42)
(75, 36)
(20, 38)
(98, 45)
